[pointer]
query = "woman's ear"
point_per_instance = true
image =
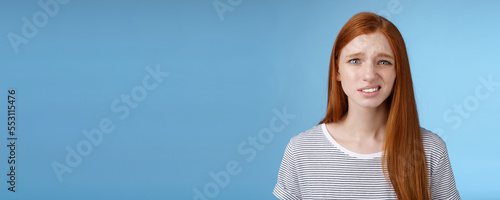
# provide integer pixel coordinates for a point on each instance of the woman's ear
(337, 72)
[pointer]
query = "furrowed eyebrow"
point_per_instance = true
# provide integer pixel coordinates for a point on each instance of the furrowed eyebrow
(360, 54)
(355, 55)
(385, 55)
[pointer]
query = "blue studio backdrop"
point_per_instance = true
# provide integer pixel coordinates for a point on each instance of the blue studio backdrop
(198, 99)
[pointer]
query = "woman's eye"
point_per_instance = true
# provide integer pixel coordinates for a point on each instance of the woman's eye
(384, 62)
(354, 61)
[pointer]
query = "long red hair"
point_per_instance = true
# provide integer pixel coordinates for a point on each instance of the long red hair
(403, 158)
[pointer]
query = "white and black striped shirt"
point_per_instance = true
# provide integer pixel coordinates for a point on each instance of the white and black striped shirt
(315, 166)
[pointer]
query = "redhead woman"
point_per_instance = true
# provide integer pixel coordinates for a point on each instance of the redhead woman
(370, 144)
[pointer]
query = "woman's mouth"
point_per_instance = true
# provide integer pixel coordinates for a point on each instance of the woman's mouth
(371, 89)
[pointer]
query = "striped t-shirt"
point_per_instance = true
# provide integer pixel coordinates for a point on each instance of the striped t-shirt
(315, 166)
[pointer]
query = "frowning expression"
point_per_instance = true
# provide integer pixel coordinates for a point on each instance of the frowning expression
(367, 70)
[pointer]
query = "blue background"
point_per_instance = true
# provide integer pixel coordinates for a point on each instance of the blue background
(227, 73)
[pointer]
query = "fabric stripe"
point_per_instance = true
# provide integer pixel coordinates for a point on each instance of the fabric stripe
(315, 166)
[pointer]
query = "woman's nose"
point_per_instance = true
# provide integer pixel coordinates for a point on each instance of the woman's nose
(369, 71)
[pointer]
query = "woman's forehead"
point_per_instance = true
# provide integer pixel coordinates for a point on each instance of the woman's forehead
(368, 44)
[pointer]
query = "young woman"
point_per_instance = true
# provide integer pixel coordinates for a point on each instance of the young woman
(370, 144)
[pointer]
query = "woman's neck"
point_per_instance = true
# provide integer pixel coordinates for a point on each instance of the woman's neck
(365, 123)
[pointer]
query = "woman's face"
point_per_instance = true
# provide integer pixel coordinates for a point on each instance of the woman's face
(366, 70)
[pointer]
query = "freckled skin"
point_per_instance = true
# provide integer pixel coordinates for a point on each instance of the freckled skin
(367, 67)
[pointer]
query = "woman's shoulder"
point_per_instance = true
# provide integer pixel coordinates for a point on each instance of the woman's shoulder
(433, 143)
(430, 138)
(310, 135)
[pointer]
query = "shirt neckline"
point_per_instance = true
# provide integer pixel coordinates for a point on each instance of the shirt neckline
(345, 150)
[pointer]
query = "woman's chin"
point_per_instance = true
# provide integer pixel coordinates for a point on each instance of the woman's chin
(370, 104)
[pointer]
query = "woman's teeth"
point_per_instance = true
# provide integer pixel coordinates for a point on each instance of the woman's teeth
(370, 90)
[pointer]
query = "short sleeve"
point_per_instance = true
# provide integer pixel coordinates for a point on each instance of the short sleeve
(442, 179)
(287, 186)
